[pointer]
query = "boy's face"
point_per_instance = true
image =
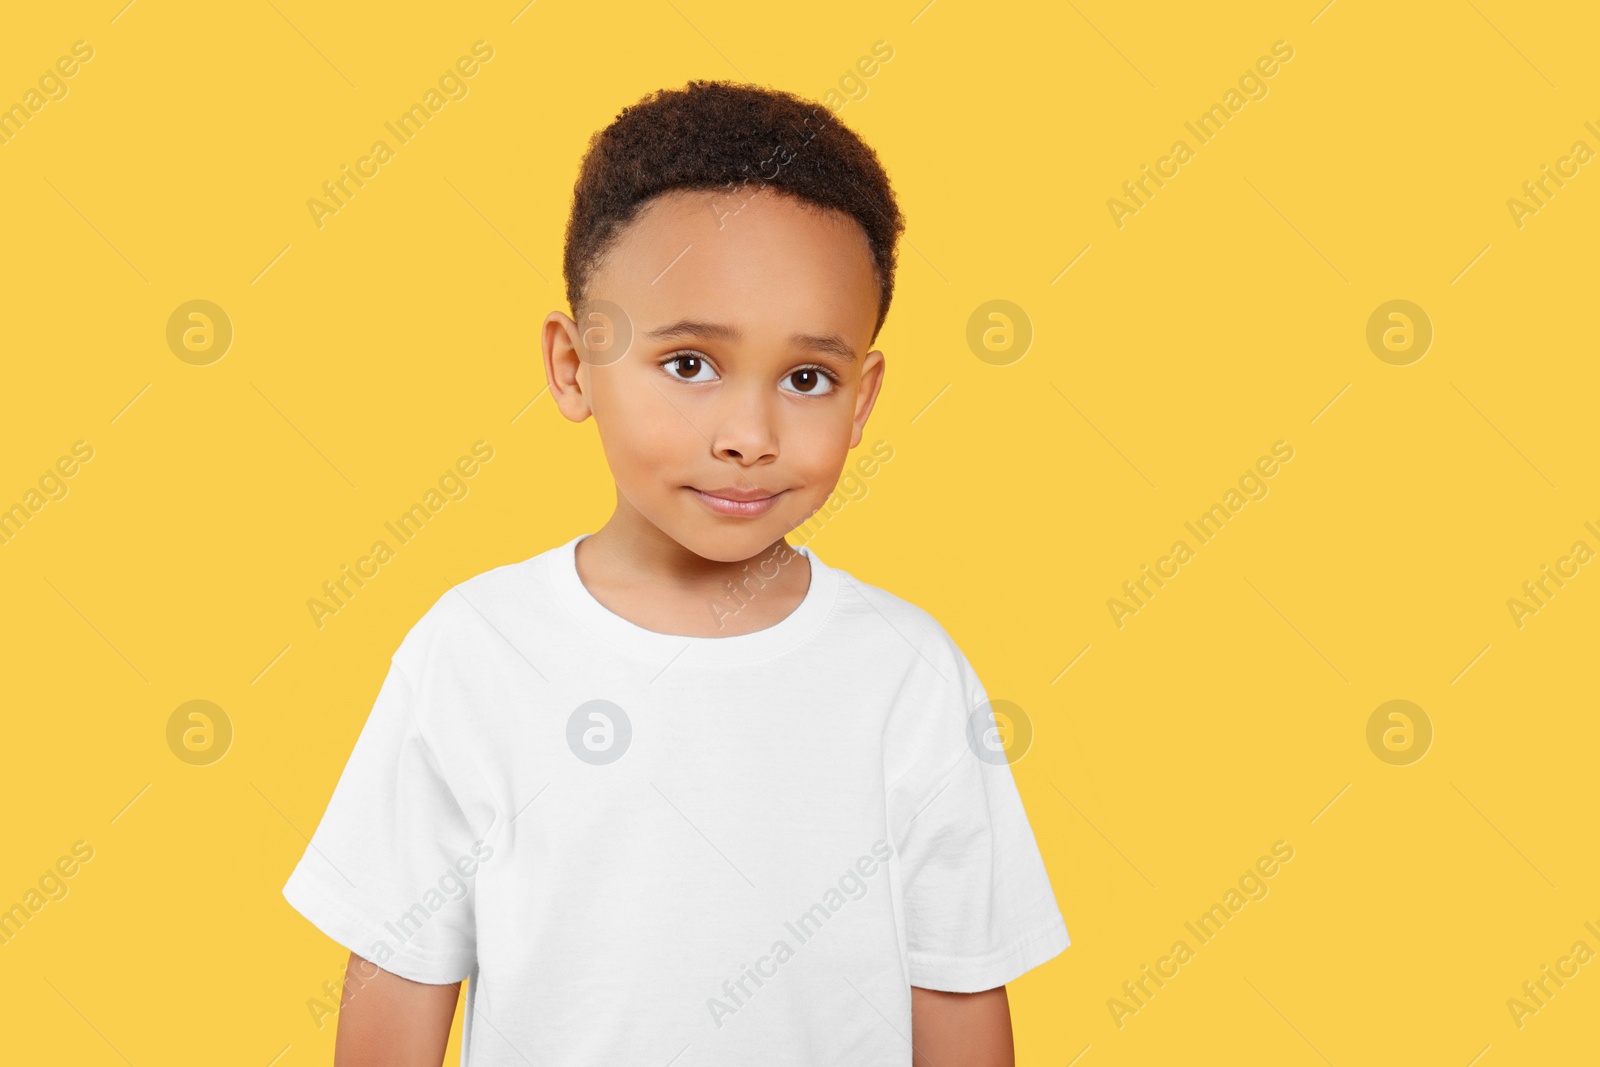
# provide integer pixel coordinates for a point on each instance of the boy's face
(727, 384)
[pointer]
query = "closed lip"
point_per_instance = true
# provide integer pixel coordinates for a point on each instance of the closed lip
(741, 495)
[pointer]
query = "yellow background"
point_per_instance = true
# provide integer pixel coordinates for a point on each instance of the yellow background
(1227, 314)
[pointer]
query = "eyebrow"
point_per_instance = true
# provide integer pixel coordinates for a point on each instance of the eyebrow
(686, 329)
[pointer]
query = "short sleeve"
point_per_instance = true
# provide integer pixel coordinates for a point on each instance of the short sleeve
(979, 908)
(390, 870)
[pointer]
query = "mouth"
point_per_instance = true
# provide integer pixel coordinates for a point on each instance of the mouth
(738, 502)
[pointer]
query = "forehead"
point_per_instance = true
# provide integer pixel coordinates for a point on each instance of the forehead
(771, 264)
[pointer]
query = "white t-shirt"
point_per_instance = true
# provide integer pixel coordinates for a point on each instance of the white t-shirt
(649, 849)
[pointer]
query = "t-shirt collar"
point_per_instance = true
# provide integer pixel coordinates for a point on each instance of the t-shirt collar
(561, 571)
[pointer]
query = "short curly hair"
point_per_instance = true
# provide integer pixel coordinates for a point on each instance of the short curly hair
(717, 135)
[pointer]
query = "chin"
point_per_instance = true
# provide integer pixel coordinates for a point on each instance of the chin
(726, 545)
(724, 540)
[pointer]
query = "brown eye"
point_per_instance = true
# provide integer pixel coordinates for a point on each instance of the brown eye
(687, 368)
(811, 381)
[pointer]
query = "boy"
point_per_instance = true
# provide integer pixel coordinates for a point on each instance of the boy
(675, 792)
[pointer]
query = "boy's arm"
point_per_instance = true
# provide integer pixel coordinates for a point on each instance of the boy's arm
(389, 1021)
(961, 1029)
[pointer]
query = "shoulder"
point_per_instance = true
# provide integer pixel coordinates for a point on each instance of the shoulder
(503, 600)
(886, 620)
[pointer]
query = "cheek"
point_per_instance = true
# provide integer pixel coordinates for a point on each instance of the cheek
(816, 461)
(819, 448)
(643, 436)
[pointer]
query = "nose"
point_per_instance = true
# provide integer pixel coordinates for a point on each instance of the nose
(745, 431)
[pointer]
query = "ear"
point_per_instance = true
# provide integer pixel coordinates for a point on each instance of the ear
(564, 368)
(872, 371)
